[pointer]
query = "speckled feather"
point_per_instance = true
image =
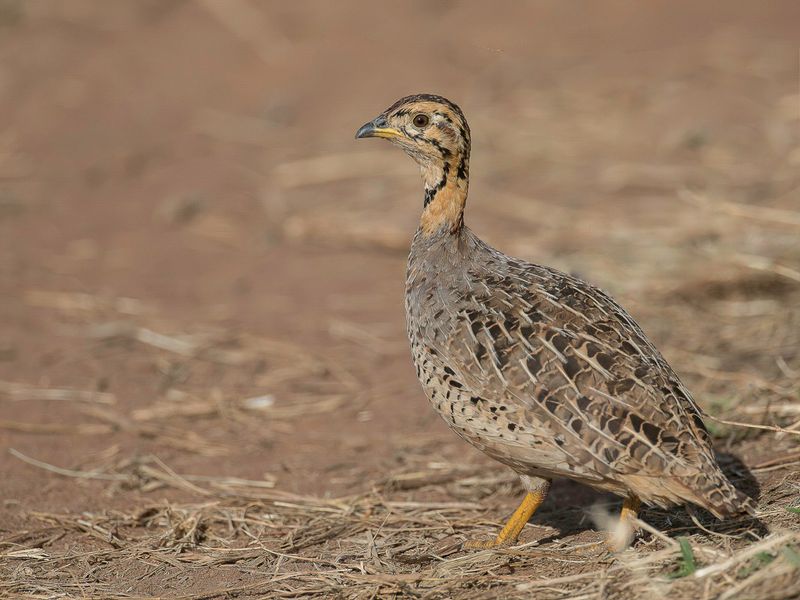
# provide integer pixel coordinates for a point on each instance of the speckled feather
(540, 370)
(550, 376)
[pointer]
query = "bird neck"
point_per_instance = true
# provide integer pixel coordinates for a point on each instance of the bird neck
(446, 186)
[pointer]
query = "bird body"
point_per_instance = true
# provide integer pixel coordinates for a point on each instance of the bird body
(538, 369)
(550, 376)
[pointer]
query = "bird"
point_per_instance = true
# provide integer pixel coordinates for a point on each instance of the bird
(536, 368)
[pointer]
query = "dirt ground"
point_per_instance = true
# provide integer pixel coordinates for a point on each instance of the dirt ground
(205, 386)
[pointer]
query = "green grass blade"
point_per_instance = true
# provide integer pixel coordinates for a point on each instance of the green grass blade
(792, 555)
(688, 564)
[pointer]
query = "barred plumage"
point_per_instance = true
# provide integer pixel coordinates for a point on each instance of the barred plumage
(540, 370)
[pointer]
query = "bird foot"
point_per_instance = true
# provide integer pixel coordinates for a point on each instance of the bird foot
(510, 532)
(615, 544)
(621, 536)
(485, 544)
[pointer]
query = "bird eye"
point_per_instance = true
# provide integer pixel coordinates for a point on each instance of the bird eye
(421, 120)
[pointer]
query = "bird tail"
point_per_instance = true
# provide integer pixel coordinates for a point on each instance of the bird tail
(716, 493)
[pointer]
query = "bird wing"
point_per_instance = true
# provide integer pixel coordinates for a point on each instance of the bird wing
(574, 364)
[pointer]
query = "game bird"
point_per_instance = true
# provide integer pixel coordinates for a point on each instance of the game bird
(540, 370)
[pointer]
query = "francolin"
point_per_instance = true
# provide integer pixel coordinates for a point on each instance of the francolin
(540, 370)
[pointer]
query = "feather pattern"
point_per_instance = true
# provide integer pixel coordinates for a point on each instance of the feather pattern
(540, 370)
(550, 376)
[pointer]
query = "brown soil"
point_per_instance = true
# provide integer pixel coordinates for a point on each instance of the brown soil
(201, 279)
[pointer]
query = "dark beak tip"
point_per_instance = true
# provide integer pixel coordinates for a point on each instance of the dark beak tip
(365, 131)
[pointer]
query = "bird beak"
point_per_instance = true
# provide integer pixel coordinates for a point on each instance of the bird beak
(377, 128)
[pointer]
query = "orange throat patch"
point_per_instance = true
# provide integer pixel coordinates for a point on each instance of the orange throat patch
(446, 208)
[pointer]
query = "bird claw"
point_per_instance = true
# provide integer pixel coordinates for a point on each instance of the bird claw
(484, 544)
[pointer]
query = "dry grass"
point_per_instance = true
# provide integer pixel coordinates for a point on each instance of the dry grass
(675, 186)
(381, 544)
(401, 534)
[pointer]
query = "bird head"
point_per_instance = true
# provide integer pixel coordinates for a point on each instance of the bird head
(430, 129)
(433, 131)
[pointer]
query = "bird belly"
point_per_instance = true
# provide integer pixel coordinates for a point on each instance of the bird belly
(489, 425)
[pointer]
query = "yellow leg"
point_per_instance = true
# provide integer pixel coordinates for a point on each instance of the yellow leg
(621, 538)
(630, 508)
(513, 527)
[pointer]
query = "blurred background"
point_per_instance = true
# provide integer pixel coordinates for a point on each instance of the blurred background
(200, 267)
